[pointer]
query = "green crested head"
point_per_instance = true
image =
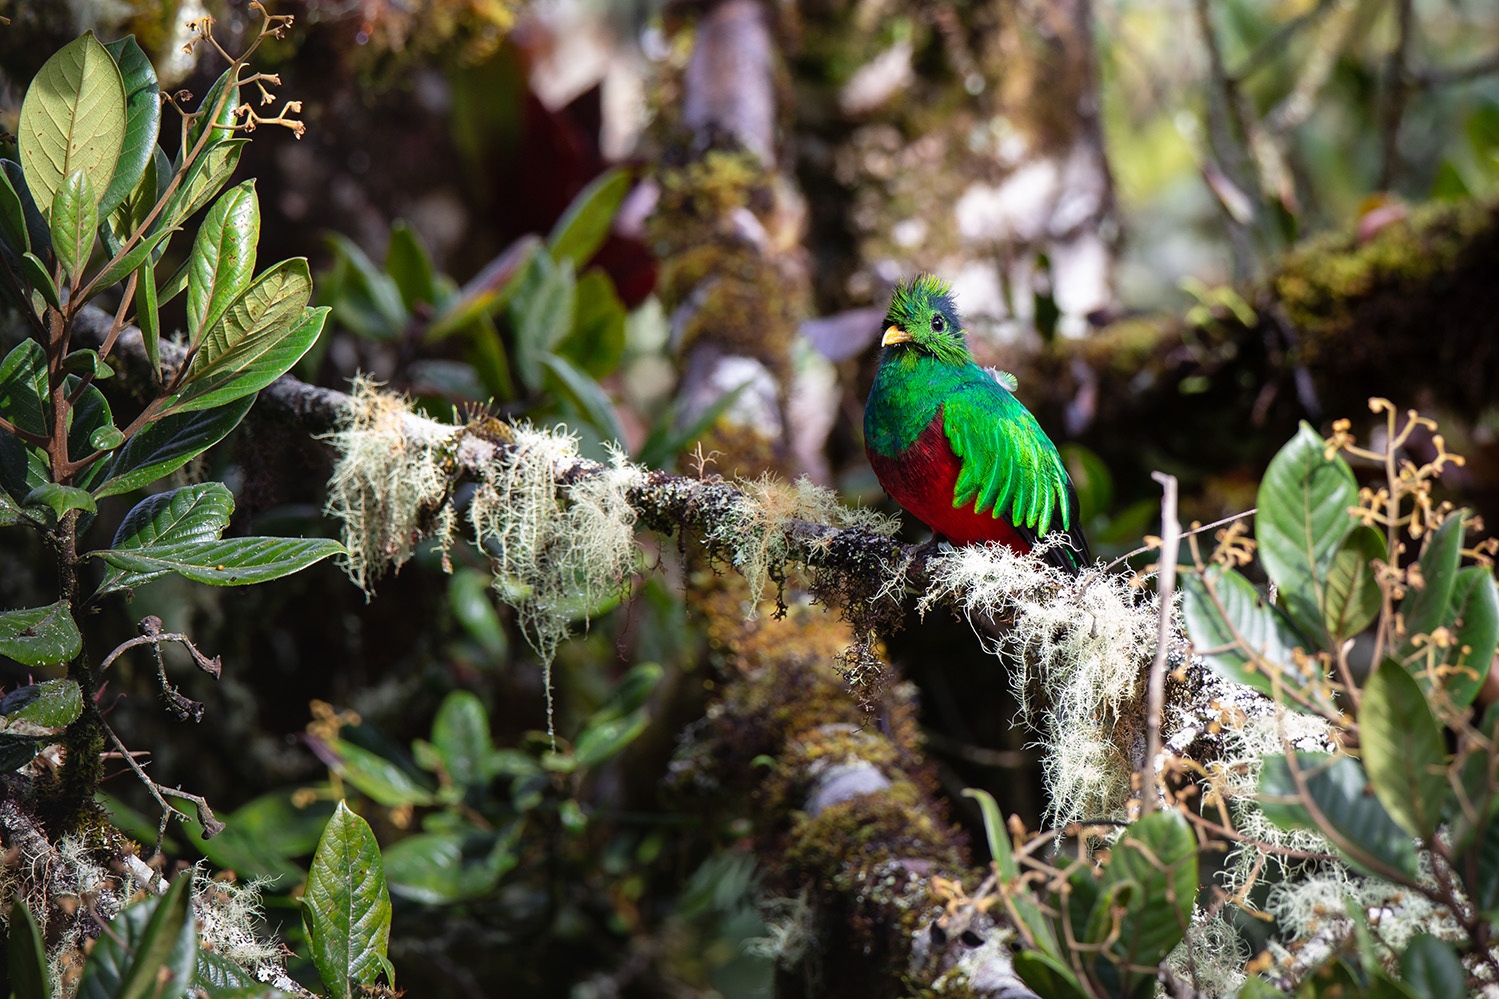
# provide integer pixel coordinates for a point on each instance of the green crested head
(923, 319)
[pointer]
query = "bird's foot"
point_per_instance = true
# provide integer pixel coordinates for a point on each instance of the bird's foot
(924, 551)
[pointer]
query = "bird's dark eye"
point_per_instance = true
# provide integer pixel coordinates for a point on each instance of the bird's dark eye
(938, 323)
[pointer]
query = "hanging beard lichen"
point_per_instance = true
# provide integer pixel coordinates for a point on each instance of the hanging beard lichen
(556, 551)
(1086, 647)
(394, 471)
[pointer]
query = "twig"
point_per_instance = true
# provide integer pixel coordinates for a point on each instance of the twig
(1166, 588)
(1185, 534)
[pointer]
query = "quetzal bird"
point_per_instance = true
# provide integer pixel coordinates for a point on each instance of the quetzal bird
(951, 444)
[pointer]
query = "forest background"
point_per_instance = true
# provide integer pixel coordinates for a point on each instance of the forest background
(728, 755)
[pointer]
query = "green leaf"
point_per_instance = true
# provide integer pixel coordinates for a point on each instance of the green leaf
(1403, 749)
(191, 513)
(36, 275)
(385, 781)
(470, 596)
(37, 234)
(488, 291)
(442, 868)
(1359, 826)
(25, 954)
(87, 362)
(252, 363)
(22, 469)
(73, 118)
(585, 225)
(23, 387)
(346, 910)
(666, 441)
(1479, 868)
(263, 837)
(1431, 969)
(365, 299)
(147, 315)
(1424, 610)
(1473, 616)
(223, 120)
(205, 178)
(1048, 976)
(585, 393)
(42, 708)
(166, 445)
(409, 266)
(142, 120)
(1303, 518)
(75, 216)
(40, 636)
(998, 837)
(621, 718)
(597, 341)
(461, 734)
(1157, 856)
(151, 949)
(92, 429)
(231, 562)
(541, 311)
(1246, 640)
(223, 257)
(60, 499)
(119, 266)
(13, 227)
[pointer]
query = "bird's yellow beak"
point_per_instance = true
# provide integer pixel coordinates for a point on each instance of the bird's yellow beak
(895, 335)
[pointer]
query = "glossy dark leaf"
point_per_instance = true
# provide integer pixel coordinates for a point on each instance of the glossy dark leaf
(42, 708)
(12, 217)
(1152, 874)
(347, 907)
(142, 121)
(166, 445)
(1246, 640)
(1048, 976)
(23, 387)
(1303, 518)
(223, 120)
(36, 274)
(205, 179)
(40, 636)
(1359, 826)
(190, 513)
(1403, 749)
(73, 118)
(37, 233)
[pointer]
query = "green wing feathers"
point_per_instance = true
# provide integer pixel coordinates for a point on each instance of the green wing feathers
(1009, 465)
